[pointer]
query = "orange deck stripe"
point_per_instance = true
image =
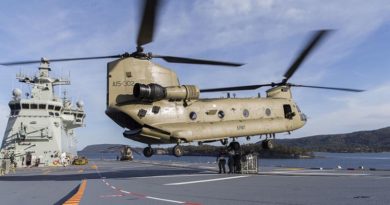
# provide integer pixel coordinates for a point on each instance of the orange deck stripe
(75, 199)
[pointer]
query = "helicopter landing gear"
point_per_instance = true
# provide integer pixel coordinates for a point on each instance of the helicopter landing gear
(235, 146)
(148, 151)
(267, 144)
(177, 151)
(224, 141)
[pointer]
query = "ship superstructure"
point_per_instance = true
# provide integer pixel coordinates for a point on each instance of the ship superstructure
(41, 126)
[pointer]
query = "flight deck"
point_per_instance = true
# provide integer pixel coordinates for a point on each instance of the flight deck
(156, 182)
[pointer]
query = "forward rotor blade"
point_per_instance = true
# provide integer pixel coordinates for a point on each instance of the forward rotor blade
(59, 59)
(236, 88)
(311, 45)
(173, 59)
(146, 30)
(328, 88)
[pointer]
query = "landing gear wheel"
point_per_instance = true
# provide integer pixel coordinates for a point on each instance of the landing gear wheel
(178, 151)
(148, 152)
(267, 144)
(224, 141)
(235, 146)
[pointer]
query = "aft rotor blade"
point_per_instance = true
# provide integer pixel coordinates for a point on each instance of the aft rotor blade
(328, 88)
(59, 59)
(236, 88)
(311, 45)
(173, 59)
(146, 29)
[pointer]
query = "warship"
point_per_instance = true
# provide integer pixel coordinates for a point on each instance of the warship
(40, 128)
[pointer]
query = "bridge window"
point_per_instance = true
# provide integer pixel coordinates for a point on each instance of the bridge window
(57, 108)
(50, 107)
(25, 106)
(15, 106)
(42, 106)
(34, 106)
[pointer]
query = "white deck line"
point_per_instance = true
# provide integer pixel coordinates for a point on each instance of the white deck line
(206, 180)
(166, 200)
(123, 191)
(311, 173)
(174, 175)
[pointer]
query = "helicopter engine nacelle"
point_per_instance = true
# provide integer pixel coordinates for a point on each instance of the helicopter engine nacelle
(156, 92)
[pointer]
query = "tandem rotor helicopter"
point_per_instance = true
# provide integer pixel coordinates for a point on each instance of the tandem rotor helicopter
(147, 100)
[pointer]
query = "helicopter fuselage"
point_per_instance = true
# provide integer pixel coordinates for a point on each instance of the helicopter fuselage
(174, 120)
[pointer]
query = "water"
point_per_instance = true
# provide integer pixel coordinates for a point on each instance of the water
(323, 159)
(332, 160)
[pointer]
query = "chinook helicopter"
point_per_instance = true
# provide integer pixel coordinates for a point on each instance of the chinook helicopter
(147, 100)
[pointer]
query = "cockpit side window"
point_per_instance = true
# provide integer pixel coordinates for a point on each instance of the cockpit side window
(299, 110)
(288, 113)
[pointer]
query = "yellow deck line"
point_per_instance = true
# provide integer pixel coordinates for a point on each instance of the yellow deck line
(75, 199)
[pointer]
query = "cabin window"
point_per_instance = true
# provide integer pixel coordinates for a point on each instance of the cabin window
(155, 109)
(50, 107)
(57, 108)
(25, 106)
(141, 113)
(51, 113)
(268, 112)
(245, 113)
(193, 115)
(57, 114)
(79, 115)
(221, 114)
(288, 113)
(42, 106)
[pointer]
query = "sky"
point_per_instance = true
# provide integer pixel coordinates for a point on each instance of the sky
(266, 35)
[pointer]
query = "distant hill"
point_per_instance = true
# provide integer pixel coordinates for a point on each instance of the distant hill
(362, 141)
(103, 148)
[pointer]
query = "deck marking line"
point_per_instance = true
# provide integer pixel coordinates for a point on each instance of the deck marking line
(166, 200)
(142, 196)
(310, 173)
(174, 175)
(206, 180)
(75, 199)
(123, 191)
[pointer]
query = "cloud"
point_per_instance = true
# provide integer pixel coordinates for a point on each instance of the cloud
(364, 111)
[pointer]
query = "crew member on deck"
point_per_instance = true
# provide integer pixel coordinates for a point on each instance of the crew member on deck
(221, 162)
